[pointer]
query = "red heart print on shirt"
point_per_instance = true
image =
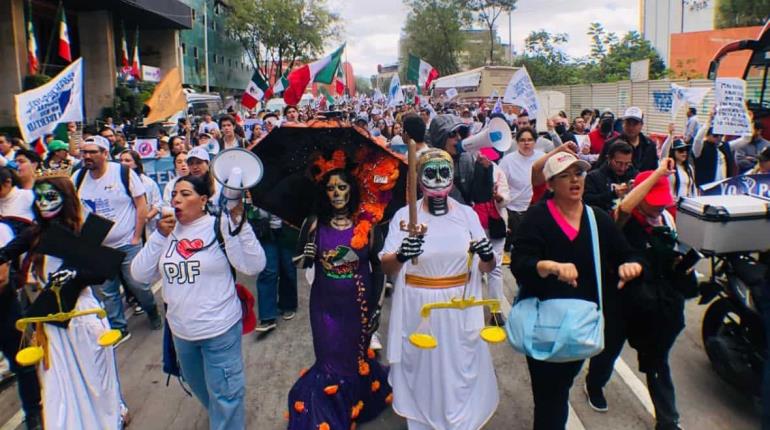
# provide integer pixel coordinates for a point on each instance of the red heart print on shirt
(186, 248)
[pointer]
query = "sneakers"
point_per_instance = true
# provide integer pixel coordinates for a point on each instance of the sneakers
(596, 399)
(375, 344)
(265, 326)
(126, 335)
(289, 315)
(138, 310)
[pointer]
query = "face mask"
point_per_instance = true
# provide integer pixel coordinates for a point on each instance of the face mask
(606, 126)
(49, 200)
(338, 192)
(436, 178)
(560, 129)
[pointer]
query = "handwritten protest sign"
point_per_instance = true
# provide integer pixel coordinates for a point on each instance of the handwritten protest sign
(521, 92)
(731, 117)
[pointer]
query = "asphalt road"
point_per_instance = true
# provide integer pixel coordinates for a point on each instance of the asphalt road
(273, 362)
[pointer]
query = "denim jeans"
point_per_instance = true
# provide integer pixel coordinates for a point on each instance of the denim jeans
(109, 292)
(214, 369)
(10, 339)
(277, 283)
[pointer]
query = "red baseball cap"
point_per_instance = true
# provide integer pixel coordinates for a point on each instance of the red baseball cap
(660, 194)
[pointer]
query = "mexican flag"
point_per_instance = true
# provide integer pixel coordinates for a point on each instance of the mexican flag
(32, 60)
(340, 82)
(64, 38)
(418, 70)
(279, 86)
(322, 71)
(136, 68)
(255, 91)
(124, 50)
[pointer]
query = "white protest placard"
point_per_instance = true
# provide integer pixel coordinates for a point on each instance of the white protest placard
(147, 148)
(521, 92)
(39, 110)
(150, 73)
(451, 93)
(731, 116)
(248, 126)
(686, 95)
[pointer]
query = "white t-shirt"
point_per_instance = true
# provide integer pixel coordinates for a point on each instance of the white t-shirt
(18, 203)
(197, 283)
(518, 171)
(6, 234)
(207, 127)
(107, 197)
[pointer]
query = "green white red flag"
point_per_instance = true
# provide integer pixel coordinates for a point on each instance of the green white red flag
(419, 71)
(64, 38)
(321, 71)
(32, 60)
(255, 91)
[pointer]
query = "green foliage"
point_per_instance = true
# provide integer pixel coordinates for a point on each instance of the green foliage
(487, 12)
(129, 100)
(34, 81)
(610, 59)
(478, 55)
(276, 31)
(363, 85)
(741, 13)
(433, 32)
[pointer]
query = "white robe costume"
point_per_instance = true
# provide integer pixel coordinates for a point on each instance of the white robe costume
(452, 386)
(80, 389)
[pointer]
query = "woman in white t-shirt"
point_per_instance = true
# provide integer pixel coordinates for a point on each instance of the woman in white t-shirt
(204, 312)
(180, 169)
(15, 202)
(133, 161)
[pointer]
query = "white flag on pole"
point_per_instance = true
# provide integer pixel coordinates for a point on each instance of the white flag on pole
(395, 95)
(39, 110)
(691, 95)
(451, 93)
(521, 92)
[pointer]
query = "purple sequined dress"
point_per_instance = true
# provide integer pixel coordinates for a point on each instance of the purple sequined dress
(346, 384)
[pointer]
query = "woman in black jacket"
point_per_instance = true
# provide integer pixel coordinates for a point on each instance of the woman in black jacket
(553, 259)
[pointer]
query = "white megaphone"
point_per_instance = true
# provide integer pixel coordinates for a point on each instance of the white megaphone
(237, 169)
(496, 135)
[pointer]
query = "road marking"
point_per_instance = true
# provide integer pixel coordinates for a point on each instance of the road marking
(573, 420)
(14, 422)
(17, 419)
(636, 385)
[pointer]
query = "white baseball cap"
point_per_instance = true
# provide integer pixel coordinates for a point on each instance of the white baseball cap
(99, 141)
(561, 162)
(200, 153)
(634, 113)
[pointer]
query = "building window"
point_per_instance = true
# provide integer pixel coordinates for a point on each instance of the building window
(193, 15)
(195, 52)
(217, 8)
(214, 25)
(184, 49)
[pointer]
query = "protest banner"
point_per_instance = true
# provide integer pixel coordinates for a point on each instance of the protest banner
(146, 148)
(395, 95)
(745, 184)
(39, 110)
(160, 170)
(451, 93)
(686, 95)
(731, 116)
(521, 92)
(248, 126)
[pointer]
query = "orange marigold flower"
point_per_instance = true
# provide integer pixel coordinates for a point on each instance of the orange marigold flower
(375, 386)
(363, 368)
(303, 371)
(331, 389)
(324, 426)
(299, 406)
(389, 399)
(370, 353)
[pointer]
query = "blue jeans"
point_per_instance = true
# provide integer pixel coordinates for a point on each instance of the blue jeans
(277, 283)
(109, 292)
(214, 369)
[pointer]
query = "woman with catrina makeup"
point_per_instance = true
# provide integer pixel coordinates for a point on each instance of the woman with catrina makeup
(452, 386)
(79, 380)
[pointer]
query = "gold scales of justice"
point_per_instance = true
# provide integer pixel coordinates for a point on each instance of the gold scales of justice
(422, 337)
(36, 350)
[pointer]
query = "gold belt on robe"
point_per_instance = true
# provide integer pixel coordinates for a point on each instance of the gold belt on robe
(436, 283)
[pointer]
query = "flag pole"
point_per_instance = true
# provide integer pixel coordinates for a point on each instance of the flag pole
(54, 33)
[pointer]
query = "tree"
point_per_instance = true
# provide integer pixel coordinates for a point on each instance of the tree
(616, 65)
(478, 53)
(433, 32)
(741, 13)
(600, 41)
(363, 85)
(274, 32)
(487, 13)
(546, 62)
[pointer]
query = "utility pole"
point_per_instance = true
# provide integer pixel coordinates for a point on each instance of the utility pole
(206, 41)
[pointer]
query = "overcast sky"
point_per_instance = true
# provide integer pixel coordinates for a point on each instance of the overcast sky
(372, 27)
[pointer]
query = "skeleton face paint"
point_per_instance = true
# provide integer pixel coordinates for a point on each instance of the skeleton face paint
(338, 192)
(436, 177)
(48, 200)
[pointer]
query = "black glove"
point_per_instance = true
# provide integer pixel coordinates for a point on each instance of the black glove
(484, 249)
(309, 251)
(61, 277)
(410, 247)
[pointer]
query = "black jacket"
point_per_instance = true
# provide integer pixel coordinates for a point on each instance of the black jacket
(598, 186)
(706, 164)
(645, 154)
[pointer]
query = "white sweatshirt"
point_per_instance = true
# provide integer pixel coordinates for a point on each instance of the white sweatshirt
(198, 285)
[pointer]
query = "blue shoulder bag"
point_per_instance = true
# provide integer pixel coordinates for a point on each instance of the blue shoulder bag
(560, 330)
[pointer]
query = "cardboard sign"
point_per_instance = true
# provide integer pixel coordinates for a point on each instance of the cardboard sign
(731, 116)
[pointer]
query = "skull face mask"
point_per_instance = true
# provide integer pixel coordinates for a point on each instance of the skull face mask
(48, 200)
(338, 192)
(436, 175)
